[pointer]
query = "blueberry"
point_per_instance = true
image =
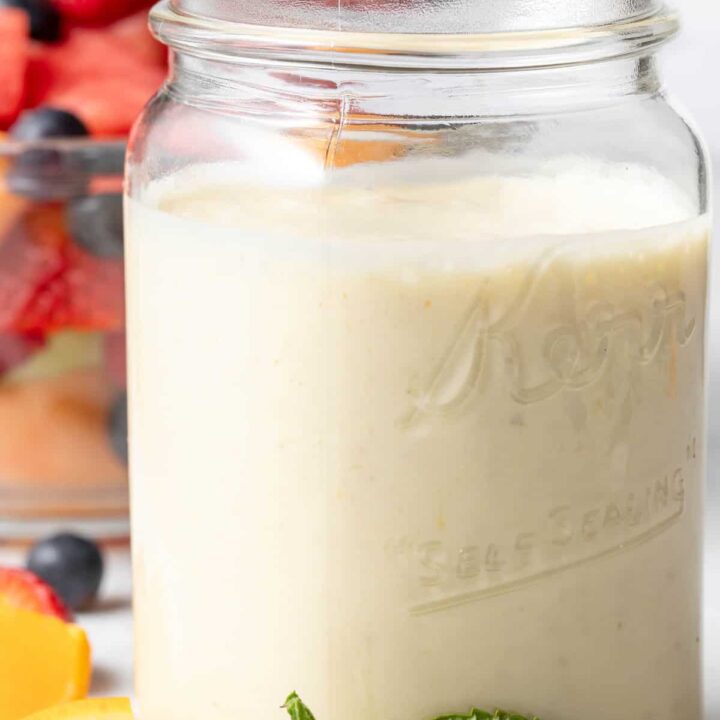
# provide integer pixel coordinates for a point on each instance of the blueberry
(47, 122)
(44, 18)
(118, 427)
(72, 565)
(96, 224)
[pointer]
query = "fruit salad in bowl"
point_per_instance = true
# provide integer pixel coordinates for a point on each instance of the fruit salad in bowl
(74, 74)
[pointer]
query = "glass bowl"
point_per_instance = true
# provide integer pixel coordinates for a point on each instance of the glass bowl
(63, 420)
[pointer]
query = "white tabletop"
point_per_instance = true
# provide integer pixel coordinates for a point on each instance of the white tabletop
(110, 629)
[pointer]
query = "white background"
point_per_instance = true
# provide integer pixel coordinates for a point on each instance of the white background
(691, 66)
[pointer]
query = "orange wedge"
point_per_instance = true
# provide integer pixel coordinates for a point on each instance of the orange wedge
(43, 661)
(91, 709)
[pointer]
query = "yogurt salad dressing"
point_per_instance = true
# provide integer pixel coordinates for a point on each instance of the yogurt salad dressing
(449, 433)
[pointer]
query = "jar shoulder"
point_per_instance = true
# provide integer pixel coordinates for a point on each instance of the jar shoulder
(638, 130)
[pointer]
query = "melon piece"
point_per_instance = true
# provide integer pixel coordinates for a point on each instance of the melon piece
(55, 431)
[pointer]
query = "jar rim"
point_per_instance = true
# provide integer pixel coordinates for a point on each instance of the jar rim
(249, 42)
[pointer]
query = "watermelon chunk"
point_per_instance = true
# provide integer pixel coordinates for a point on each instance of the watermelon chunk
(14, 47)
(107, 107)
(29, 263)
(135, 33)
(38, 76)
(98, 11)
(94, 75)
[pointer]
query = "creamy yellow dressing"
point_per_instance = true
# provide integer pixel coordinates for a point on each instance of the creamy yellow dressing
(407, 449)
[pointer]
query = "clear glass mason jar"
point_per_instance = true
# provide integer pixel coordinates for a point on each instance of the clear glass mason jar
(416, 316)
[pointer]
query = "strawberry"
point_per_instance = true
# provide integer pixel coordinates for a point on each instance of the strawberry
(98, 11)
(28, 266)
(86, 295)
(95, 297)
(23, 589)
(14, 48)
(48, 283)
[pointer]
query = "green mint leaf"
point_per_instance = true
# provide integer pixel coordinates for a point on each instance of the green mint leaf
(299, 711)
(502, 715)
(296, 708)
(476, 714)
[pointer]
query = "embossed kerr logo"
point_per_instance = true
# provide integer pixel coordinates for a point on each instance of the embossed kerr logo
(570, 356)
(506, 347)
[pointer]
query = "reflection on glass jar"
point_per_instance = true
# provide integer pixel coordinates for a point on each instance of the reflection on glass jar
(63, 447)
(417, 334)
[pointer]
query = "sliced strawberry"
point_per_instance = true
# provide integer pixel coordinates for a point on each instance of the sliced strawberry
(28, 266)
(77, 301)
(23, 589)
(95, 293)
(14, 46)
(88, 294)
(47, 283)
(98, 11)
